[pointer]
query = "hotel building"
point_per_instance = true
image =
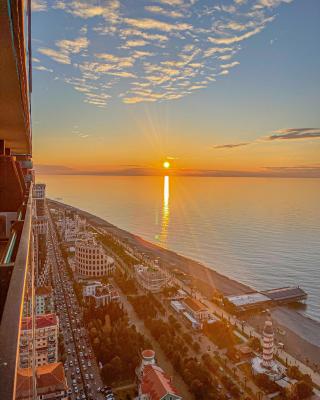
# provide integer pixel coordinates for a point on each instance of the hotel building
(92, 260)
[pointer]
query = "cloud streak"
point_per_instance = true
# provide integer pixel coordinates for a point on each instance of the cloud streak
(295, 133)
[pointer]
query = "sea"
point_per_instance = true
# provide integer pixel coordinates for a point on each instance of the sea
(263, 232)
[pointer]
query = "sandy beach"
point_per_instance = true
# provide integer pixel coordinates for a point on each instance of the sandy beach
(302, 338)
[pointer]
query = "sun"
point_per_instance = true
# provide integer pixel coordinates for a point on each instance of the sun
(166, 164)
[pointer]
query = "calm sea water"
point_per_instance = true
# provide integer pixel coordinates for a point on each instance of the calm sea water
(263, 232)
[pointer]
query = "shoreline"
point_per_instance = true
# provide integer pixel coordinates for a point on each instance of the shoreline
(302, 332)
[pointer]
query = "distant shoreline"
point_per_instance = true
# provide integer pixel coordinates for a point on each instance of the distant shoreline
(302, 331)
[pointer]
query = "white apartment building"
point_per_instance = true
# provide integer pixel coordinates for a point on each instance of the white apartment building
(151, 278)
(91, 259)
(46, 340)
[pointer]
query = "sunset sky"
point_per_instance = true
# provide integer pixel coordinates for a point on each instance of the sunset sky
(215, 87)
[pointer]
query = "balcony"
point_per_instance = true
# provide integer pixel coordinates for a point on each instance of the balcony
(16, 270)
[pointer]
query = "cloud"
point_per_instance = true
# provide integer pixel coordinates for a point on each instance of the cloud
(42, 68)
(158, 50)
(39, 5)
(73, 46)
(161, 11)
(295, 133)
(148, 23)
(55, 55)
(235, 39)
(230, 146)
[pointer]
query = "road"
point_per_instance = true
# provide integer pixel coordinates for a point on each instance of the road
(81, 369)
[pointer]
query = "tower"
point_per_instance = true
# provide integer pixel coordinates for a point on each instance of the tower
(268, 342)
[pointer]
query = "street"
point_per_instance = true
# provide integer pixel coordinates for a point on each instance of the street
(80, 366)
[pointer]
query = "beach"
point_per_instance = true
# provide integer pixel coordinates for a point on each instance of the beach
(302, 338)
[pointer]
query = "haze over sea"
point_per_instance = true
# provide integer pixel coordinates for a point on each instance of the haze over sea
(264, 232)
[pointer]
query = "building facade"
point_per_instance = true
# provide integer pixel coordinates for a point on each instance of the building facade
(92, 260)
(152, 279)
(45, 340)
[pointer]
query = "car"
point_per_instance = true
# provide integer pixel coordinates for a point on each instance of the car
(91, 376)
(71, 363)
(86, 376)
(69, 392)
(99, 389)
(76, 390)
(89, 364)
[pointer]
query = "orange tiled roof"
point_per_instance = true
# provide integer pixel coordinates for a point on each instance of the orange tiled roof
(51, 376)
(24, 383)
(156, 384)
(194, 304)
(42, 321)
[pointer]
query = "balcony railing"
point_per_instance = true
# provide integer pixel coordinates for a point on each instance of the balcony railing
(18, 259)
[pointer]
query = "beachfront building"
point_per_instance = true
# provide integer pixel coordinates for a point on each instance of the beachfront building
(196, 309)
(50, 382)
(266, 364)
(151, 278)
(91, 260)
(153, 383)
(45, 340)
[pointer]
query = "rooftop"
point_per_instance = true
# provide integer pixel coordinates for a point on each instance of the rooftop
(285, 293)
(49, 378)
(194, 304)
(156, 383)
(246, 299)
(42, 321)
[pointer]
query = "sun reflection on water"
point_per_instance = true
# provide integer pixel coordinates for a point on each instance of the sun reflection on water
(165, 211)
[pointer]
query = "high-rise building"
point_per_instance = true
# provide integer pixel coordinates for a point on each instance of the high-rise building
(16, 180)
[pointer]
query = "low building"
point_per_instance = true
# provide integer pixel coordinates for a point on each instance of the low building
(196, 309)
(89, 288)
(177, 306)
(244, 302)
(153, 383)
(105, 294)
(46, 340)
(50, 383)
(151, 278)
(102, 294)
(91, 259)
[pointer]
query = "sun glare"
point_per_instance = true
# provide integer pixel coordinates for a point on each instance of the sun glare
(166, 164)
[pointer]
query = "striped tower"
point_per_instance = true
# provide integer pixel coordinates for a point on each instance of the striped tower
(268, 341)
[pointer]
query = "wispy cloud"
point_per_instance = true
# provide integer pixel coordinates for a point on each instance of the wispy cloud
(39, 5)
(295, 133)
(231, 146)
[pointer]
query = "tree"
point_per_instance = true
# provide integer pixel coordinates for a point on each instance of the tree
(302, 390)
